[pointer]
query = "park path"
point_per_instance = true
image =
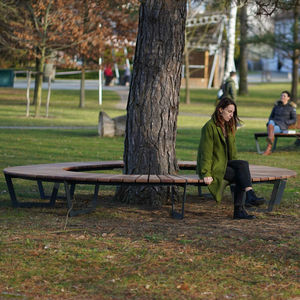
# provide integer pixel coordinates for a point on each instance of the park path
(123, 93)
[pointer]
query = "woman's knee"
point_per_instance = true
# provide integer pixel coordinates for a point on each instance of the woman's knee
(271, 122)
(243, 164)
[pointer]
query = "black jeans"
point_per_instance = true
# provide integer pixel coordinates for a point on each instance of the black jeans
(237, 171)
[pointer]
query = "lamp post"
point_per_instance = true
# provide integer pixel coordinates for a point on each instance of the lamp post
(100, 76)
(100, 81)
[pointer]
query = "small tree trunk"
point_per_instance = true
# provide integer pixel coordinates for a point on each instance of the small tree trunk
(243, 67)
(296, 54)
(82, 85)
(39, 83)
(37, 62)
(154, 97)
(48, 96)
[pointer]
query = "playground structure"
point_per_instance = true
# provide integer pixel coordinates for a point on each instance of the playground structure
(207, 58)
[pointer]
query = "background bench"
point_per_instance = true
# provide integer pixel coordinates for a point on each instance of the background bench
(71, 173)
(278, 135)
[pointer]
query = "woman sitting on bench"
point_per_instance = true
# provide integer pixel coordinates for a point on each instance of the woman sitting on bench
(217, 159)
(282, 116)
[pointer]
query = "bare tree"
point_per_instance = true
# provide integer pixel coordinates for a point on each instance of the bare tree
(230, 66)
(295, 52)
(243, 61)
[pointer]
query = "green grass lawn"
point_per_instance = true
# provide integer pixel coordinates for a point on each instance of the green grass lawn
(130, 252)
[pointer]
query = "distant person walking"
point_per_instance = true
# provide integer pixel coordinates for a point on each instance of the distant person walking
(108, 74)
(230, 87)
(127, 75)
(282, 116)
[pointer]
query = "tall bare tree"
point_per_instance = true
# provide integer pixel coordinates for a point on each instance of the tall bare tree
(243, 61)
(296, 52)
(230, 66)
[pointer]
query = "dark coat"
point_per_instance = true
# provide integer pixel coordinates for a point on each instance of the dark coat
(283, 115)
(213, 156)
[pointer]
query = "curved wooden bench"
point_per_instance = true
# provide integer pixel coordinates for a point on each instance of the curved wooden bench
(72, 173)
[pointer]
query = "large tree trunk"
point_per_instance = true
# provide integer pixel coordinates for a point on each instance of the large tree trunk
(154, 96)
(296, 54)
(243, 67)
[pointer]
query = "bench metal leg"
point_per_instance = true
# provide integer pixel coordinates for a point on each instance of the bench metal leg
(257, 146)
(16, 203)
(95, 198)
(11, 191)
(177, 215)
(41, 189)
(277, 192)
(54, 193)
(70, 198)
(276, 196)
(72, 189)
(201, 194)
(199, 191)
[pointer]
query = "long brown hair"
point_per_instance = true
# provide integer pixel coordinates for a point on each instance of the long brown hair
(233, 122)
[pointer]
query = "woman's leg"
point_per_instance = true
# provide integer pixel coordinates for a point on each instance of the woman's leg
(272, 129)
(238, 171)
(242, 173)
(231, 176)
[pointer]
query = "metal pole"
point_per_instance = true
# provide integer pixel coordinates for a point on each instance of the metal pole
(28, 93)
(48, 95)
(117, 73)
(100, 81)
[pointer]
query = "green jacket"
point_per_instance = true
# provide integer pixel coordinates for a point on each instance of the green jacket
(212, 156)
(230, 89)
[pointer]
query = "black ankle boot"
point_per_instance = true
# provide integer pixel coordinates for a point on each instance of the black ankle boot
(253, 200)
(240, 213)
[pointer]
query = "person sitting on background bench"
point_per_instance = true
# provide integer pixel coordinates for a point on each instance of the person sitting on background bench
(217, 159)
(282, 116)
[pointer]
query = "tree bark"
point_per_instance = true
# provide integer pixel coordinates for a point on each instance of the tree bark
(296, 54)
(39, 83)
(243, 67)
(37, 62)
(154, 97)
(230, 66)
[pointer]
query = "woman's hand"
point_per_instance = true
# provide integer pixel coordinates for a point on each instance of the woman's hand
(208, 180)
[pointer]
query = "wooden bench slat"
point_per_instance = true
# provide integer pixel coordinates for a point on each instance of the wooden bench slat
(192, 179)
(178, 178)
(129, 178)
(165, 179)
(142, 179)
(154, 179)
